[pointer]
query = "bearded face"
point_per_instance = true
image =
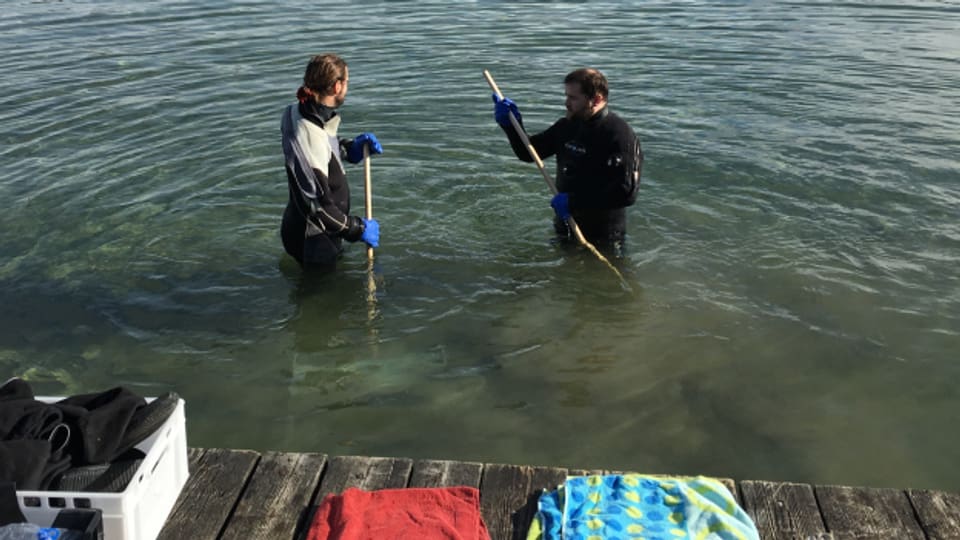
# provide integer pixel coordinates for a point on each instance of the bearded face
(341, 89)
(579, 106)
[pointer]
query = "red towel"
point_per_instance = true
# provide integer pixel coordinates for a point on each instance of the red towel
(450, 513)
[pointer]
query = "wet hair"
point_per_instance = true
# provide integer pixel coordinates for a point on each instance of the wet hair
(323, 72)
(592, 82)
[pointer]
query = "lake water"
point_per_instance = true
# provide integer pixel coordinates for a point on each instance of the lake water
(794, 302)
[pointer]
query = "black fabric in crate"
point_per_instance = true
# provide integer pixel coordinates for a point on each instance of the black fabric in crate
(98, 423)
(39, 441)
(30, 464)
(32, 438)
(22, 416)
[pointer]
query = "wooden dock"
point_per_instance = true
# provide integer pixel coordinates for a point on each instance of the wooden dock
(233, 494)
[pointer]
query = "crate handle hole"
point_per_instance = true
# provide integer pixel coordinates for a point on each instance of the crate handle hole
(58, 502)
(159, 459)
(32, 502)
(81, 503)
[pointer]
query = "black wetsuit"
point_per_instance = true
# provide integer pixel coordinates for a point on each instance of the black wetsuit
(598, 165)
(317, 217)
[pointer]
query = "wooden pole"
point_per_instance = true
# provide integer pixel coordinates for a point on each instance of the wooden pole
(368, 209)
(553, 187)
(367, 193)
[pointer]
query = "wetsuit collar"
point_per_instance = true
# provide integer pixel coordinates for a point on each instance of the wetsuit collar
(601, 114)
(317, 113)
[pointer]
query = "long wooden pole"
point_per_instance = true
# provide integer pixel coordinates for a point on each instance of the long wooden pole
(553, 187)
(367, 193)
(368, 210)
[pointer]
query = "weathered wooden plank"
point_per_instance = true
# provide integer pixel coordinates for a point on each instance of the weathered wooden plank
(436, 473)
(546, 478)
(193, 458)
(938, 512)
(367, 473)
(856, 512)
(731, 486)
(585, 472)
(503, 491)
(783, 510)
(278, 493)
(541, 478)
(205, 504)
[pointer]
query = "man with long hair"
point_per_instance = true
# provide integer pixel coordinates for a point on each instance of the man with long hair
(317, 217)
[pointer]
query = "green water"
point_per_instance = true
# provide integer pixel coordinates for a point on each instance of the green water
(794, 311)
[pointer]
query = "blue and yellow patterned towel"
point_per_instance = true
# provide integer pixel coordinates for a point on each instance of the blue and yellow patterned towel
(633, 506)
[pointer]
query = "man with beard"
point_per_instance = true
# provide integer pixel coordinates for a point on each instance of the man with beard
(317, 217)
(598, 159)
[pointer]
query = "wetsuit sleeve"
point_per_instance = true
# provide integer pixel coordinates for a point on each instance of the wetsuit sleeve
(344, 147)
(620, 171)
(324, 212)
(544, 143)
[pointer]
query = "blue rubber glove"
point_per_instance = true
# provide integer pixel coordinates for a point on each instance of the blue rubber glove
(371, 232)
(355, 152)
(502, 109)
(561, 205)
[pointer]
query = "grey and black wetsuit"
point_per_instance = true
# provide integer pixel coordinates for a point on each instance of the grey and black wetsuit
(598, 163)
(317, 217)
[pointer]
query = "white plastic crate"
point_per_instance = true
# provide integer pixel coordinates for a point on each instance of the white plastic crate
(140, 510)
